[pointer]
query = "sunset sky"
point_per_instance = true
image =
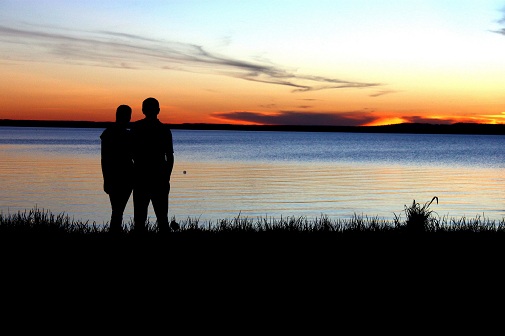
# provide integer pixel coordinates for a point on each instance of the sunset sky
(310, 62)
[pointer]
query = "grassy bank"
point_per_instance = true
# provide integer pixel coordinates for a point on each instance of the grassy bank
(416, 246)
(416, 219)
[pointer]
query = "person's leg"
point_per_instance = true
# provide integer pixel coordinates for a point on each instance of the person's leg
(116, 217)
(160, 206)
(118, 201)
(141, 200)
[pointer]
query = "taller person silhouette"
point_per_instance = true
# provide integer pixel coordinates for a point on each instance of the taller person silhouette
(117, 165)
(153, 156)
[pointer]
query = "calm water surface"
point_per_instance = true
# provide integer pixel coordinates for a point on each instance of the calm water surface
(265, 174)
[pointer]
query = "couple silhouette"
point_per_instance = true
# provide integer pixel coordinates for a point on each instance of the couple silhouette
(138, 160)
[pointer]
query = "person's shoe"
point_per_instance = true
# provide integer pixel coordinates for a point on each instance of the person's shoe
(174, 225)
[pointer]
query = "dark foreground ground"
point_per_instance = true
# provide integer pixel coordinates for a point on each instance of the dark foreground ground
(259, 254)
(263, 283)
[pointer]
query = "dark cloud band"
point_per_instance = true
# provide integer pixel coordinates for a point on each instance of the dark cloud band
(354, 118)
(299, 118)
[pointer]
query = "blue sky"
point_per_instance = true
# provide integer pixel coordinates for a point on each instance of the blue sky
(334, 62)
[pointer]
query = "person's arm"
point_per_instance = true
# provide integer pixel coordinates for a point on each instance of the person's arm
(105, 173)
(106, 169)
(170, 153)
(170, 158)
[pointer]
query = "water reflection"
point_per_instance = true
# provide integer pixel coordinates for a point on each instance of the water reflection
(66, 177)
(333, 189)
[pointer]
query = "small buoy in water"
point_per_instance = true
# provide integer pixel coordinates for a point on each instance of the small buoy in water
(184, 172)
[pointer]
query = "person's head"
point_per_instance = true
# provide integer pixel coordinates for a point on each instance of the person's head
(123, 114)
(150, 107)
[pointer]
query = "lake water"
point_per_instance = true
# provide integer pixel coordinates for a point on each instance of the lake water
(265, 174)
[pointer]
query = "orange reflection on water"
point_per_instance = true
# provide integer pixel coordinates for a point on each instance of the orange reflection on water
(72, 184)
(338, 189)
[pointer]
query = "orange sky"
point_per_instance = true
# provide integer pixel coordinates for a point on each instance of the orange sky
(223, 63)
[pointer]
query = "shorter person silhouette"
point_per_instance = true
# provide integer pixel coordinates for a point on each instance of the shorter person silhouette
(153, 157)
(117, 165)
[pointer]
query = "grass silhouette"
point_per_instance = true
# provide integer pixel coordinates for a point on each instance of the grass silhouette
(418, 219)
(417, 246)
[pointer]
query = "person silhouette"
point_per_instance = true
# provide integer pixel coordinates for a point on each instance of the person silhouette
(117, 165)
(153, 157)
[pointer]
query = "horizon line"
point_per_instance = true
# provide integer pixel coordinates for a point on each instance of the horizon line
(250, 125)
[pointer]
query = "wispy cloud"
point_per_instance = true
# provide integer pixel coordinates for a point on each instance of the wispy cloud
(382, 93)
(502, 22)
(424, 120)
(120, 50)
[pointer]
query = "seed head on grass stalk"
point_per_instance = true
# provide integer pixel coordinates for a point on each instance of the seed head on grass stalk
(420, 218)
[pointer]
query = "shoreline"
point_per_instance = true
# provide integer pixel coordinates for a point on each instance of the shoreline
(412, 128)
(368, 250)
(417, 216)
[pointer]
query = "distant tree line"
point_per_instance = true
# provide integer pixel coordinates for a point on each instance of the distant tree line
(420, 128)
